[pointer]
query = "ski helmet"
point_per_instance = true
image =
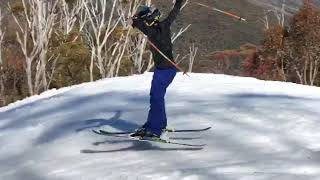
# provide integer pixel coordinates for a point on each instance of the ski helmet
(149, 15)
(143, 11)
(154, 17)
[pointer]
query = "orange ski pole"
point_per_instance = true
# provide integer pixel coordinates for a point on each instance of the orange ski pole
(223, 12)
(168, 59)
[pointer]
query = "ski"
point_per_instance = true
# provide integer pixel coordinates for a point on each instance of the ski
(167, 130)
(106, 133)
(188, 130)
(157, 140)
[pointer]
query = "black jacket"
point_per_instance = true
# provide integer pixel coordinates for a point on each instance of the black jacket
(160, 35)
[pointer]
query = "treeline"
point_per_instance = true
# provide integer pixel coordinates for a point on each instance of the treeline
(58, 43)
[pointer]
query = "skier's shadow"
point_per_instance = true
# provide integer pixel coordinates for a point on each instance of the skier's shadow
(115, 122)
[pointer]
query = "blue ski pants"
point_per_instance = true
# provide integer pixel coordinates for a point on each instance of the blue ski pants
(157, 119)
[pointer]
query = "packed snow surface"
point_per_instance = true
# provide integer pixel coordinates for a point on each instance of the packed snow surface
(261, 130)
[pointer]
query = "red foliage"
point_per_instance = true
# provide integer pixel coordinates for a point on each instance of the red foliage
(230, 61)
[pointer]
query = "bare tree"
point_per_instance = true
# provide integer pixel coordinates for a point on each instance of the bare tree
(99, 32)
(279, 14)
(35, 31)
(121, 45)
(181, 31)
(71, 15)
(265, 20)
(107, 56)
(192, 54)
(139, 49)
(2, 33)
(136, 44)
(185, 3)
(307, 67)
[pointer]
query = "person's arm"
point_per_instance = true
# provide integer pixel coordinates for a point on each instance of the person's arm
(136, 22)
(174, 12)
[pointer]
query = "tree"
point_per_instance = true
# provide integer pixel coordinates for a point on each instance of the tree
(2, 75)
(192, 55)
(268, 62)
(35, 30)
(291, 53)
(302, 47)
(279, 14)
(69, 45)
(99, 32)
(70, 14)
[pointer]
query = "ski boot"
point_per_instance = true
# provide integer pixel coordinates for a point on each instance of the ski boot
(142, 133)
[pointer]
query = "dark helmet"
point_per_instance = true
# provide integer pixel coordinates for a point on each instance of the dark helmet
(143, 11)
(149, 15)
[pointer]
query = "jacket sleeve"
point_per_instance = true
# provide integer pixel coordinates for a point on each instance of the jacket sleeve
(138, 23)
(174, 12)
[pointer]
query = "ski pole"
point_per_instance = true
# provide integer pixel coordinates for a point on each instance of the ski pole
(223, 12)
(168, 59)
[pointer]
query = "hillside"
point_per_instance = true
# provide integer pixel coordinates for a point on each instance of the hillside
(261, 130)
(291, 5)
(212, 31)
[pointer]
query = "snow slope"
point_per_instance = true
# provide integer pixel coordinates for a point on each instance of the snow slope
(261, 131)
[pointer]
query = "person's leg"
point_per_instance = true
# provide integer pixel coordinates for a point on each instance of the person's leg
(157, 119)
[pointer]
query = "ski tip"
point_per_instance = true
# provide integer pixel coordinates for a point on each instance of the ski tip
(189, 130)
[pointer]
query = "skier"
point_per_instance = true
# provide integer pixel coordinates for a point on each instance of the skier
(147, 20)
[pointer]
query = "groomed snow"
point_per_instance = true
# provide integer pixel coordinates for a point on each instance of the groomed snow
(261, 131)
